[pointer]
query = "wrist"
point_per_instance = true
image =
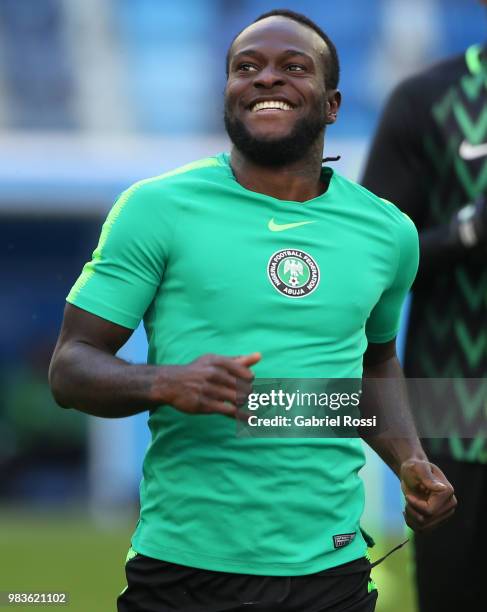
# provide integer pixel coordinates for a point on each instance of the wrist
(416, 457)
(467, 225)
(160, 386)
(406, 452)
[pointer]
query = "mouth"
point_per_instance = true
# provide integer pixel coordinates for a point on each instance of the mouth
(270, 105)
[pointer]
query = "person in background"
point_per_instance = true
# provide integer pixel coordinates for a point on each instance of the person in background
(429, 156)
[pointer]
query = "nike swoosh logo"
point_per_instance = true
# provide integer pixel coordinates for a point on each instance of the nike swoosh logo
(469, 151)
(275, 227)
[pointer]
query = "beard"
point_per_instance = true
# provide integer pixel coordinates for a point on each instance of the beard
(279, 151)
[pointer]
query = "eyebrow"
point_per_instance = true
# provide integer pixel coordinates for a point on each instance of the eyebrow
(254, 53)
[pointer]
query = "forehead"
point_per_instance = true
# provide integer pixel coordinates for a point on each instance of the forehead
(276, 34)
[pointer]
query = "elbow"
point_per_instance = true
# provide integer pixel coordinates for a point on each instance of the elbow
(55, 377)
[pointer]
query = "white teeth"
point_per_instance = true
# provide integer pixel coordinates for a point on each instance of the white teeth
(270, 104)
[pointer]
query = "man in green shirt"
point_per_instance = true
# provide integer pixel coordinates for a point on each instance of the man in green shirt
(300, 272)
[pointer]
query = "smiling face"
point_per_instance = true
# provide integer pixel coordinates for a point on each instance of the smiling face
(276, 102)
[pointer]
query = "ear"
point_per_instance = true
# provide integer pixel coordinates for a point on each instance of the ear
(334, 99)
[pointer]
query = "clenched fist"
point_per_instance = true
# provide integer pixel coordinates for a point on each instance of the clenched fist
(430, 498)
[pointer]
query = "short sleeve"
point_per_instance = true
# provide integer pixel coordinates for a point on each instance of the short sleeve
(383, 322)
(127, 266)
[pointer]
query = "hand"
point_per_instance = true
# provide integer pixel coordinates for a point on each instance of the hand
(469, 224)
(212, 384)
(429, 495)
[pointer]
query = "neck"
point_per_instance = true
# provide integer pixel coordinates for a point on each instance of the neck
(298, 181)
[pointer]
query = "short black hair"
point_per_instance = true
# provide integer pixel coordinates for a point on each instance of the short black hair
(332, 66)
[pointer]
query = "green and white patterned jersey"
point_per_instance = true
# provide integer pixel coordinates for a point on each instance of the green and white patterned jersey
(429, 156)
(213, 267)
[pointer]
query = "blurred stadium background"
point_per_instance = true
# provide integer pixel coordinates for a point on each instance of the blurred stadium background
(94, 95)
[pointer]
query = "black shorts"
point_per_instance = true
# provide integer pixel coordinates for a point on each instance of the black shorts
(158, 586)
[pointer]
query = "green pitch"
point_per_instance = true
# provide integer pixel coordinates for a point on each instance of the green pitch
(56, 552)
(66, 552)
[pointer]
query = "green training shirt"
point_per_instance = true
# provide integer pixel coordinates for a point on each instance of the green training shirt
(213, 267)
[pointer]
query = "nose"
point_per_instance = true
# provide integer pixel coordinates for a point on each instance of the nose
(268, 78)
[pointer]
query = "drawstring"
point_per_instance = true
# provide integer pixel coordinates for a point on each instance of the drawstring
(389, 553)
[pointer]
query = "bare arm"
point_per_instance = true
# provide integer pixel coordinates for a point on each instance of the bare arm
(85, 374)
(429, 495)
(388, 400)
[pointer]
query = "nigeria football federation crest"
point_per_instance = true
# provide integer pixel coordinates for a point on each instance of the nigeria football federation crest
(293, 273)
